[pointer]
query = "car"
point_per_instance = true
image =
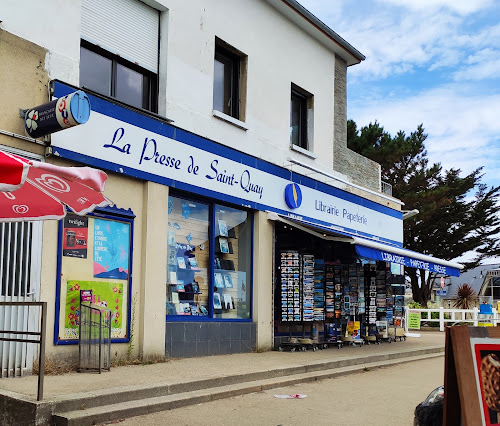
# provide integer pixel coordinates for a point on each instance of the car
(430, 411)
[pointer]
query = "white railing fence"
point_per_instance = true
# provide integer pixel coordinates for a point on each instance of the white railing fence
(453, 316)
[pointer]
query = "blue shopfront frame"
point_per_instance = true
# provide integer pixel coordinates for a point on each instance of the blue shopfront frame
(212, 226)
(109, 213)
(111, 151)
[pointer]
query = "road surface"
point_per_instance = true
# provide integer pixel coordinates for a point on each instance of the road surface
(383, 396)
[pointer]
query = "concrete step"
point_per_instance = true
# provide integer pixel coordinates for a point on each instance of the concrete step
(80, 401)
(118, 409)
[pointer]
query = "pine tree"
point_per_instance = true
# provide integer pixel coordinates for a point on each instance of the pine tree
(457, 214)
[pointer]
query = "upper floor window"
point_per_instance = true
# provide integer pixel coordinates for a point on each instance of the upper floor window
(301, 118)
(229, 80)
(113, 76)
(119, 50)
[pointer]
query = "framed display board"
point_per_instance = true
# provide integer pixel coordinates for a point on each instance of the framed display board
(94, 254)
(472, 376)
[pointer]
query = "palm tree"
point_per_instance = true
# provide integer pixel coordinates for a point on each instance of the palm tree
(466, 297)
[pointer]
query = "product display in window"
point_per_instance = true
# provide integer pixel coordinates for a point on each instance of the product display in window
(191, 290)
(188, 254)
(232, 263)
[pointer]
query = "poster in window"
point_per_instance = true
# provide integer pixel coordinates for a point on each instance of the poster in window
(75, 236)
(486, 357)
(111, 249)
(106, 294)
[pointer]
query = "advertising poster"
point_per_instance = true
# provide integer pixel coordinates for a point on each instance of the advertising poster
(486, 356)
(111, 249)
(414, 320)
(106, 294)
(75, 236)
(353, 329)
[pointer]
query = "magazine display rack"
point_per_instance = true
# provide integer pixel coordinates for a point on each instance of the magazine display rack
(345, 301)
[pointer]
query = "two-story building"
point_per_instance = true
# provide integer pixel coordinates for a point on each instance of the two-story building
(222, 127)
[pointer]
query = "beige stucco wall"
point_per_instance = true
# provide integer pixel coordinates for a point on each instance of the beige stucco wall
(263, 280)
(23, 84)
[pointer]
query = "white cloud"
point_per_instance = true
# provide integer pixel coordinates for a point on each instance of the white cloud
(463, 7)
(463, 129)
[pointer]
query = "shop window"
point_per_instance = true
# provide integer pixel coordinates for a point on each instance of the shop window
(301, 118)
(111, 75)
(232, 263)
(229, 80)
(95, 255)
(194, 288)
(188, 258)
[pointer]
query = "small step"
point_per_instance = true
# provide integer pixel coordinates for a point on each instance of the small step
(116, 411)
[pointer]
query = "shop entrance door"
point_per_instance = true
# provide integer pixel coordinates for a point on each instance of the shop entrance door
(20, 267)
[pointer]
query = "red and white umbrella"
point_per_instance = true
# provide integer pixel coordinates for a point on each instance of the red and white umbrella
(33, 190)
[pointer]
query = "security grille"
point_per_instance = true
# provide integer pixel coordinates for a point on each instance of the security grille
(20, 247)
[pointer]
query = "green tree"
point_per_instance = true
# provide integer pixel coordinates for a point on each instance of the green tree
(457, 214)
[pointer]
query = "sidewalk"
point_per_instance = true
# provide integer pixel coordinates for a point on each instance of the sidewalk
(196, 374)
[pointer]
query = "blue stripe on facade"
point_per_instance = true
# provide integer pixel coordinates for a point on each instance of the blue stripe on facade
(103, 164)
(148, 123)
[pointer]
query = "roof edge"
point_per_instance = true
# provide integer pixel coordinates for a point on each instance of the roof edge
(322, 27)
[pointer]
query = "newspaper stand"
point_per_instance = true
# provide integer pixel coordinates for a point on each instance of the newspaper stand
(94, 348)
(382, 332)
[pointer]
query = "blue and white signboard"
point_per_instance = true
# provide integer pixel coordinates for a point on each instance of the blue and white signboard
(124, 141)
(410, 259)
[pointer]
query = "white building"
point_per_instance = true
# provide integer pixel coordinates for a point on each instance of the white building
(202, 113)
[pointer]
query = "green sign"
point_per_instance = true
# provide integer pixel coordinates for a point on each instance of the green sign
(414, 320)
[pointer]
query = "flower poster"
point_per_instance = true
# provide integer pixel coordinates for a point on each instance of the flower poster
(106, 294)
(111, 249)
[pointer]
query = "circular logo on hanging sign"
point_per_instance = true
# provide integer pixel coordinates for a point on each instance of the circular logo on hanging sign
(293, 195)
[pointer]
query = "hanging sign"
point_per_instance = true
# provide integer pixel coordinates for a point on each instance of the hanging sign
(67, 111)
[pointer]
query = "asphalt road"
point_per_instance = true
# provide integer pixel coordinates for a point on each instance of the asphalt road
(382, 396)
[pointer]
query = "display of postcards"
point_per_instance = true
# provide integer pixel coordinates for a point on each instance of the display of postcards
(399, 290)
(353, 280)
(399, 301)
(380, 309)
(222, 228)
(354, 299)
(338, 287)
(219, 281)
(223, 245)
(284, 303)
(296, 303)
(338, 305)
(171, 238)
(372, 302)
(217, 301)
(389, 301)
(228, 281)
(398, 311)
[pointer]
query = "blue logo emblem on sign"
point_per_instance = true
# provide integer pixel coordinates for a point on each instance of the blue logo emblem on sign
(293, 195)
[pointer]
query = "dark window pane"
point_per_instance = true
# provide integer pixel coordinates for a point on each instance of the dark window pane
(95, 72)
(298, 121)
(225, 81)
(129, 86)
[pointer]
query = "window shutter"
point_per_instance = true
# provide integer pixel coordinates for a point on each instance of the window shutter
(128, 28)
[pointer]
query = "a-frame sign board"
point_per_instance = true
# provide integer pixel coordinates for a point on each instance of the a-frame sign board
(472, 376)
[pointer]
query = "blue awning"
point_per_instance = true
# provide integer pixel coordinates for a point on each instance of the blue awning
(376, 250)
(409, 258)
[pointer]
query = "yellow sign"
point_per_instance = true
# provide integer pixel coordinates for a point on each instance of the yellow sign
(414, 320)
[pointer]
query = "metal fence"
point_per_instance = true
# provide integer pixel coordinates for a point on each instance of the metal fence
(24, 337)
(94, 348)
(454, 316)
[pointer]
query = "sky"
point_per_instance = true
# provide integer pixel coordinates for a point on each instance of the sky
(429, 62)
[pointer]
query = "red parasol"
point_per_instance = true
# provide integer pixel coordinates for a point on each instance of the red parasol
(32, 190)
